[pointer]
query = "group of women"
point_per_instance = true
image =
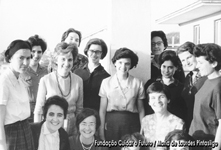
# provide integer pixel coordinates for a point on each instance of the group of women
(76, 102)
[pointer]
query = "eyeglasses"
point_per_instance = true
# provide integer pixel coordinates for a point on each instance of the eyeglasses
(95, 52)
(156, 43)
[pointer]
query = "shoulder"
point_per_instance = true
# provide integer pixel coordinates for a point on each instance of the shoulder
(62, 133)
(176, 120)
(147, 118)
(76, 77)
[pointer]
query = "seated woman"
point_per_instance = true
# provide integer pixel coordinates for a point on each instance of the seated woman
(178, 140)
(121, 108)
(156, 126)
(87, 122)
(49, 134)
(134, 141)
(169, 63)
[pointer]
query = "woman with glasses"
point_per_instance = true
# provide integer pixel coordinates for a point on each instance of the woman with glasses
(158, 45)
(95, 50)
(15, 131)
(63, 83)
(121, 108)
(35, 71)
(88, 122)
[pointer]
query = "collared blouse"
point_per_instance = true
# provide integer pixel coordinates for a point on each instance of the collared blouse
(14, 96)
(47, 140)
(119, 100)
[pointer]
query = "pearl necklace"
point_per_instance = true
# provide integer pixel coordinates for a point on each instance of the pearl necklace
(63, 95)
(84, 147)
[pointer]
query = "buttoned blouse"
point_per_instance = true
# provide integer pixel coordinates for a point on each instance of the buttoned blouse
(32, 79)
(14, 96)
(122, 100)
(48, 87)
(48, 140)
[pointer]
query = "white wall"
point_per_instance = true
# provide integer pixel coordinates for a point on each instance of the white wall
(129, 26)
(206, 30)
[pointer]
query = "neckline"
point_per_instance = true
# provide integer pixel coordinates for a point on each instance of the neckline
(59, 87)
(83, 145)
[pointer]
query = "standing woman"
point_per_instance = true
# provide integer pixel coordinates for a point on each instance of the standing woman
(35, 71)
(72, 36)
(63, 83)
(96, 49)
(15, 132)
(121, 108)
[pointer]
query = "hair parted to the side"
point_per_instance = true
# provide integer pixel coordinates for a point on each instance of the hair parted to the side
(158, 87)
(66, 33)
(37, 41)
(126, 53)
(211, 52)
(186, 47)
(58, 101)
(96, 41)
(87, 112)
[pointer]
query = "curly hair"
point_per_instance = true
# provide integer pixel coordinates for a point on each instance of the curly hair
(37, 41)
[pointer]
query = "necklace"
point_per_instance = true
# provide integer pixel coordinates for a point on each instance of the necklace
(84, 147)
(63, 95)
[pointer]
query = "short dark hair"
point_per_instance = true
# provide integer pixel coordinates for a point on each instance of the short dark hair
(55, 100)
(187, 46)
(14, 46)
(66, 33)
(86, 112)
(37, 41)
(211, 52)
(64, 48)
(162, 35)
(158, 87)
(126, 53)
(177, 135)
(170, 55)
(96, 41)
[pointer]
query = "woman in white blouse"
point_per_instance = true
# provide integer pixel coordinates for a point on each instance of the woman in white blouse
(63, 83)
(121, 106)
(15, 132)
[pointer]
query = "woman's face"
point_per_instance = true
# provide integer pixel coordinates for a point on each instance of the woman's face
(123, 65)
(168, 69)
(158, 101)
(188, 61)
(205, 67)
(54, 118)
(94, 53)
(65, 63)
(87, 127)
(19, 62)
(36, 55)
(72, 38)
(157, 45)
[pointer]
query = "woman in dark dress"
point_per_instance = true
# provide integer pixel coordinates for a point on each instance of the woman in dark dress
(169, 63)
(96, 49)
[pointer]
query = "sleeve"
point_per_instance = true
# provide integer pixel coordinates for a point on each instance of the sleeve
(180, 124)
(217, 104)
(40, 100)
(102, 92)
(141, 92)
(79, 103)
(4, 92)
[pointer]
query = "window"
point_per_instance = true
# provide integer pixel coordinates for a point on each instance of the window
(217, 32)
(196, 34)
